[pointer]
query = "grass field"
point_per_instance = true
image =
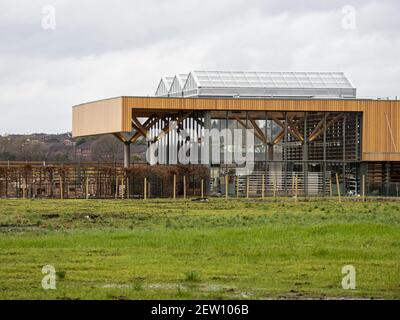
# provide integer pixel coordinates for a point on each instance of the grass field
(235, 249)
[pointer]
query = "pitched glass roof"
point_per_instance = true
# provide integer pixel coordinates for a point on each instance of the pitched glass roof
(177, 85)
(168, 81)
(164, 86)
(245, 79)
(182, 77)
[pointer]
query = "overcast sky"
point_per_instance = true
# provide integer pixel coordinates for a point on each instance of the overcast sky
(102, 49)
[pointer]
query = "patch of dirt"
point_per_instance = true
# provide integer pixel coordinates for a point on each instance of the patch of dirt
(50, 215)
(18, 228)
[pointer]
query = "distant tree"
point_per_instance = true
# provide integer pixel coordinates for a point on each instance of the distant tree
(82, 140)
(7, 156)
(107, 148)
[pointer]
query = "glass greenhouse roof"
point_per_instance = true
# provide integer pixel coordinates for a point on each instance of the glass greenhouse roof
(168, 81)
(242, 79)
(164, 86)
(182, 77)
(249, 84)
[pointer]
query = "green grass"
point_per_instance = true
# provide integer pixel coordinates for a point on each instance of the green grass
(235, 249)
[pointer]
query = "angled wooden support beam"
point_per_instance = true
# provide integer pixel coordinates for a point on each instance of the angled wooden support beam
(258, 130)
(295, 133)
(139, 127)
(321, 130)
(262, 138)
(279, 137)
(147, 125)
(318, 129)
(135, 137)
(295, 130)
(150, 120)
(277, 121)
(167, 128)
(120, 137)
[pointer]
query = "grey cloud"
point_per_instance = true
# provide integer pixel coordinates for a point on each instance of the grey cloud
(95, 27)
(111, 48)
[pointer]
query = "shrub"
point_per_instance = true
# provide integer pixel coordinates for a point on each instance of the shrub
(192, 276)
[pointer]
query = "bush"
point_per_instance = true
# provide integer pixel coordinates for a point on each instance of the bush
(192, 276)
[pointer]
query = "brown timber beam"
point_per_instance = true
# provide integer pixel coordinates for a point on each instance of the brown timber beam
(261, 137)
(259, 131)
(294, 133)
(147, 125)
(315, 135)
(168, 128)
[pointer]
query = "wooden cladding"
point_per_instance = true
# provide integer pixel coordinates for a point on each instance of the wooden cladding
(99, 117)
(380, 121)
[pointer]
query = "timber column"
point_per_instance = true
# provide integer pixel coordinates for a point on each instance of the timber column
(127, 154)
(206, 150)
(305, 155)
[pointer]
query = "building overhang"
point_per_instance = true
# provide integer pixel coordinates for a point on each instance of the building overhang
(380, 125)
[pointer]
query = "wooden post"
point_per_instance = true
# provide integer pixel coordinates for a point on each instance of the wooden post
(262, 187)
(122, 189)
(87, 188)
(202, 188)
(145, 189)
(116, 186)
(293, 184)
(363, 187)
(274, 186)
(24, 190)
(297, 187)
(338, 186)
(127, 188)
(247, 186)
(226, 186)
(61, 189)
(237, 186)
(184, 187)
(174, 187)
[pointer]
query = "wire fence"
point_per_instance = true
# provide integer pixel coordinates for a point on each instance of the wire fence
(88, 180)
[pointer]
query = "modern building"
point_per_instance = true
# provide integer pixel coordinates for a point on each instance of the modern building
(309, 127)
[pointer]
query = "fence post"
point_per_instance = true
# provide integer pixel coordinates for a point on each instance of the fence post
(274, 186)
(24, 190)
(262, 187)
(145, 189)
(237, 186)
(338, 186)
(297, 188)
(184, 187)
(122, 189)
(127, 188)
(202, 188)
(61, 189)
(174, 187)
(363, 187)
(87, 187)
(293, 184)
(226, 186)
(116, 186)
(247, 186)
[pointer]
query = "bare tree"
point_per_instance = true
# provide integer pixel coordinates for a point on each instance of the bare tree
(107, 149)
